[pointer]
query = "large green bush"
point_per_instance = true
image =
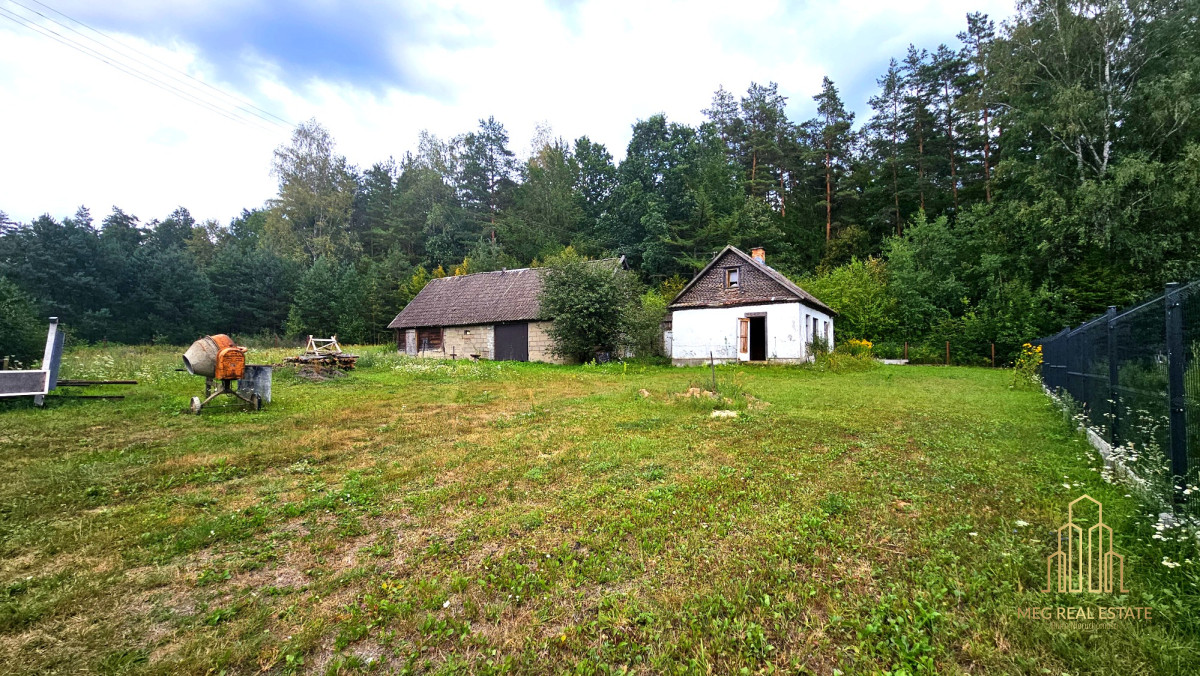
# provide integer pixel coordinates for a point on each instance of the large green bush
(859, 292)
(641, 324)
(586, 302)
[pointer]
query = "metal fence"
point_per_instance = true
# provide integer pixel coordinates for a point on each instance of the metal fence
(1136, 374)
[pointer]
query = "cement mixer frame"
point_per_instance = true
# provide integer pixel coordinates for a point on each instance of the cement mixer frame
(214, 388)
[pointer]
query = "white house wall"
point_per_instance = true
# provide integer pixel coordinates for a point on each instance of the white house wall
(696, 332)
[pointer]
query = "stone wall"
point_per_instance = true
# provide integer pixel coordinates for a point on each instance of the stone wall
(464, 341)
(540, 343)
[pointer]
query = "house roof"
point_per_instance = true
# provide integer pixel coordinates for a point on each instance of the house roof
(763, 284)
(479, 298)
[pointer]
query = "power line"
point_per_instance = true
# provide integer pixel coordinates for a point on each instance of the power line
(199, 98)
(167, 69)
(149, 79)
(41, 30)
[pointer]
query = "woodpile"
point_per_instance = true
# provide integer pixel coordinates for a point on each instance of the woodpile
(324, 353)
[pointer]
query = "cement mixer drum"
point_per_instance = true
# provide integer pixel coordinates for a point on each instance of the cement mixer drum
(215, 357)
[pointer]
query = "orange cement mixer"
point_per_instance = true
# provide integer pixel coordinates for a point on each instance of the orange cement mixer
(221, 362)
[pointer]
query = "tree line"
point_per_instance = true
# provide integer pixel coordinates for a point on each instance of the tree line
(1023, 179)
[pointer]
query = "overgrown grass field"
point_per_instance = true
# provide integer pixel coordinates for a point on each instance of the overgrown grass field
(437, 517)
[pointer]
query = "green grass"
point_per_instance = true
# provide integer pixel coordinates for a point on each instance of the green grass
(437, 517)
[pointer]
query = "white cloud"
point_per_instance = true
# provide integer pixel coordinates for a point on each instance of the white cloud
(80, 132)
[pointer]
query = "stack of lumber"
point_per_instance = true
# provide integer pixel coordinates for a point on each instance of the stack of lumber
(324, 352)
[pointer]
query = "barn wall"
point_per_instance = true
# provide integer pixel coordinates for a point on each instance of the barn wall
(464, 341)
(540, 343)
(696, 332)
(480, 339)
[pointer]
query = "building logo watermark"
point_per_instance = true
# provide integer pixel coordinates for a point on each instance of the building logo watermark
(1085, 563)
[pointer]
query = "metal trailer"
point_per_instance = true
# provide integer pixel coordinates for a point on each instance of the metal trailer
(36, 383)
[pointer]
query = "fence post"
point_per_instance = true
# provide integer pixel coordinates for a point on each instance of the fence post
(993, 355)
(906, 350)
(1114, 400)
(1175, 390)
(947, 353)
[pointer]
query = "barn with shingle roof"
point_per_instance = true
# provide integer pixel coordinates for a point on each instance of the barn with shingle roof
(738, 308)
(485, 315)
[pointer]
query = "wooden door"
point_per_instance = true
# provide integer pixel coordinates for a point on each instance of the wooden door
(512, 342)
(743, 339)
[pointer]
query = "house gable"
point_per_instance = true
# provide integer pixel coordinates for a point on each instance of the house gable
(755, 283)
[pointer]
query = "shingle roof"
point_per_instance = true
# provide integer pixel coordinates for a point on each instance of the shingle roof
(764, 285)
(479, 298)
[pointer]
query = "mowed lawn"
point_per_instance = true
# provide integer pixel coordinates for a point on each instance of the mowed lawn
(480, 518)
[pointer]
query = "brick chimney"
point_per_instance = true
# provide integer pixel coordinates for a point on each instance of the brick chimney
(759, 254)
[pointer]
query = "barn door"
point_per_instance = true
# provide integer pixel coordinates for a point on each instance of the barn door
(743, 339)
(512, 342)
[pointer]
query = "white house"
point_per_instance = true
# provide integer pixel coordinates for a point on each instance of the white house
(740, 309)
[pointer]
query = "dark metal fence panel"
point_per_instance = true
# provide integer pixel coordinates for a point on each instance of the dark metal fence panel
(1189, 303)
(1141, 410)
(1136, 376)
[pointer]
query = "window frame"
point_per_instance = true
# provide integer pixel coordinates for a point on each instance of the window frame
(733, 277)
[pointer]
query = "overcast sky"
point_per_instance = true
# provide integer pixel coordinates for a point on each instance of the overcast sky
(78, 131)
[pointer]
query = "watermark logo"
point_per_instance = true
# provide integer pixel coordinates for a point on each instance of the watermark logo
(1085, 564)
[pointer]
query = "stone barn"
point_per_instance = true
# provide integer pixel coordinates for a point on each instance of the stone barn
(740, 309)
(486, 315)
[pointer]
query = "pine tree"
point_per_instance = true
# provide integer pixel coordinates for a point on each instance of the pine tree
(833, 125)
(948, 68)
(977, 41)
(766, 131)
(376, 229)
(352, 305)
(726, 114)
(917, 117)
(488, 172)
(886, 125)
(315, 308)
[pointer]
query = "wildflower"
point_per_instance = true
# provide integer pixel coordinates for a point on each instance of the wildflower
(1169, 563)
(1021, 523)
